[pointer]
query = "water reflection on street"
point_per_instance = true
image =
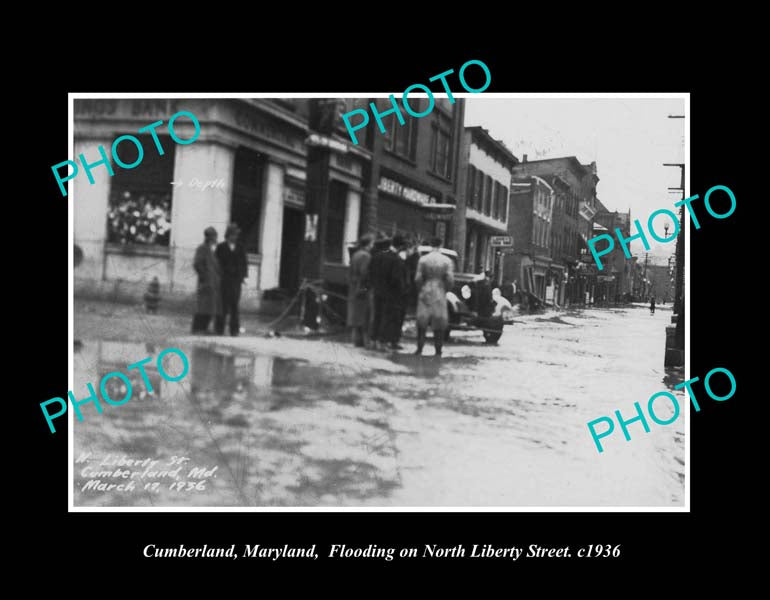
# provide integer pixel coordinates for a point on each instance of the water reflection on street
(315, 423)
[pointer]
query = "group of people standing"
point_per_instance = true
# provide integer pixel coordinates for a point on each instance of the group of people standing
(222, 269)
(380, 285)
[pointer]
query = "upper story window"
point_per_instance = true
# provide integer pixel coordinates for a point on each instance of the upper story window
(401, 139)
(488, 181)
(441, 152)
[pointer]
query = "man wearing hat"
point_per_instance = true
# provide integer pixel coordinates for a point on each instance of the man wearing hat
(434, 278)
(358, 290)
(232, 260)
(206, 265)
(388, 278)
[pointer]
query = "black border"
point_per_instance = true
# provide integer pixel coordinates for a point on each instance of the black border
(652, 543)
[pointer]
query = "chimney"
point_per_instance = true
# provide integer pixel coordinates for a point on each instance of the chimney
(523, 158)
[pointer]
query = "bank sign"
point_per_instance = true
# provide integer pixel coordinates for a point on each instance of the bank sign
(402, 191)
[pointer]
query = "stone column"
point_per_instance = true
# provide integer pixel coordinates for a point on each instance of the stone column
(271, 232)
(352, 222)
(91, 205)
(192, 210)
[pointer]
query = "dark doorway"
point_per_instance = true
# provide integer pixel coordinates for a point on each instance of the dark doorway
(291, 247)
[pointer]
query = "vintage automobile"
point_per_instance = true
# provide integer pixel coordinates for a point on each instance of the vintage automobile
(472, 303)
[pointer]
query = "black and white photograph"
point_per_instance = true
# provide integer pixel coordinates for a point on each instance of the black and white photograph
(311, 302)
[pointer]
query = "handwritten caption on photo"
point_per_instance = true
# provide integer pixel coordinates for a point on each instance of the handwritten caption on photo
(126, 387)
(120, 473)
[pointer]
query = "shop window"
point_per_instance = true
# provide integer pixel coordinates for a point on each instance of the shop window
(335, 222)
(246, 208)
(140, 198)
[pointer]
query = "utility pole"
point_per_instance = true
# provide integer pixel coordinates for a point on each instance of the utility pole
(679, 285)
(323, 112)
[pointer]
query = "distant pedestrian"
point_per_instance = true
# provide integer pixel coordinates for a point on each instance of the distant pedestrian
(206, 265)
(387, 276)
(358, 291)
(652, 305)
(235, 270)
(435, 277)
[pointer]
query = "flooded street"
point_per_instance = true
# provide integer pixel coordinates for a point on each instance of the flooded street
(291, 422)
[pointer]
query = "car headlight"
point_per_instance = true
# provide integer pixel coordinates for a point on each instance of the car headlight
(465, 291)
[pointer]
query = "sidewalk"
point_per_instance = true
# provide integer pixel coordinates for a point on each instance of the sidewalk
(131, 323)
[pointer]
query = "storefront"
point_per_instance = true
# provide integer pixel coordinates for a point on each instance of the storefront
(247, 166)
(412, 209)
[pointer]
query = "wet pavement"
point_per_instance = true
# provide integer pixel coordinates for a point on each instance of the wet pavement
(290, 422)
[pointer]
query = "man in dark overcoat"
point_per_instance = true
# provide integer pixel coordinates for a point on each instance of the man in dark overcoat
(388, 278)
(232, 261)
(206, 265)
(358, 291)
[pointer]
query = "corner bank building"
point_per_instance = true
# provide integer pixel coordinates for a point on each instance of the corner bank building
(250, 165)
(247, 166)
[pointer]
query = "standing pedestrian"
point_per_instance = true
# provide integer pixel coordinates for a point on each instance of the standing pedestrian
(358, 291)
(387, 276)
(232, 260)
(206, 265)
(435, 276)
(652, 305)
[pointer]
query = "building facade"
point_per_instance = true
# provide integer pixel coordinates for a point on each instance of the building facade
(616, 278)
(484, 207)
(530, 223)
(413, 178)
(571, 278)
(247, 166)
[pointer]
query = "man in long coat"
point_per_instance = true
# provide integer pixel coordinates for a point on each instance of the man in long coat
(207, 267)
(434, 278)
(234, 266)
(358, 291)
(387, 275)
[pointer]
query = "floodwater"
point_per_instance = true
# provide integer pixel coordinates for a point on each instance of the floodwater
(291, 422)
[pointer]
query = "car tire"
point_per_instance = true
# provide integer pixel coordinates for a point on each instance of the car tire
(491, 337)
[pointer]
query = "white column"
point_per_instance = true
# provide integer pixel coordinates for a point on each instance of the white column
(192, 210)
(272, 226)
(352, 221)
(91, 204)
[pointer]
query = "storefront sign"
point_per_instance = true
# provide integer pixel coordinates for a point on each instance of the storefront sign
(323, 141)
(411, 194)
(255, 122)
(294, 196)
(95, 107)
(501, 241)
